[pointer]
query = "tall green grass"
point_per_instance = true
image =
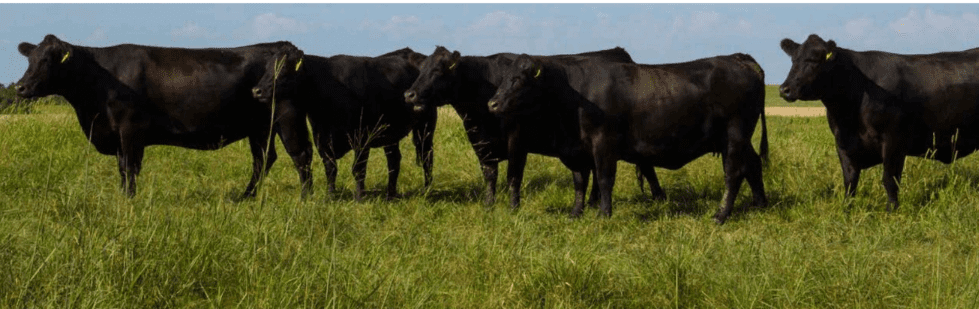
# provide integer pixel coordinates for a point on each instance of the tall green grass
(70, 238)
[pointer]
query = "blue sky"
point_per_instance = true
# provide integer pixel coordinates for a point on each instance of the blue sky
(652, 33)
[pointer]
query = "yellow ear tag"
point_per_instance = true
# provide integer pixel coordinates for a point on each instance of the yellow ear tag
(538, 73)
(299, 64)
(453, 66)
(65, 58)
(828, 55)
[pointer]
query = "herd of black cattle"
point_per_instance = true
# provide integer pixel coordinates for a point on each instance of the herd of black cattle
(590, 110)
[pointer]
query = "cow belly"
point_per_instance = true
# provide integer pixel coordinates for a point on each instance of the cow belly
(671, 152)
(945, 147)
(208, 140)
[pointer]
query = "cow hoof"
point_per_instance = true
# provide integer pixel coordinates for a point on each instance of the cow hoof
(659, 196)
(394, 196)
(719, 218)
(243, 196)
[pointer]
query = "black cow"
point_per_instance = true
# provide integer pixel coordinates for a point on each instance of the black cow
(128, 97)
(354, 103)
(882, 107)
(653, 115)
(467, 83)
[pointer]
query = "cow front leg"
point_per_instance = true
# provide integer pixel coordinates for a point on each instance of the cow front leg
(580, 185)
(595, 196)
(605, 166)
(422, 136)
(851, 173)
(515, 169)
(393, 155)
(263, 156)
(490, 170)
(361, 155)
(893, 167)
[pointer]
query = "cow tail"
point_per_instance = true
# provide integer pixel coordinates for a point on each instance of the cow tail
(750, 63)
(763, 147)
(638, 178)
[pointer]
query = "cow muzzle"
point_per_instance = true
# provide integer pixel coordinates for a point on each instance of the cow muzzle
(24, 91)
(411, 97)
(787, 94)
(494, 106)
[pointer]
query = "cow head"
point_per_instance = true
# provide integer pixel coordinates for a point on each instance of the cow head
(520, 86)
(51, 67)
(810, 62)
(437, 77)
(282, 73)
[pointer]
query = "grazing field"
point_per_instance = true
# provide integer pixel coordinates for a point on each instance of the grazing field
(772, 98)
(69, 237)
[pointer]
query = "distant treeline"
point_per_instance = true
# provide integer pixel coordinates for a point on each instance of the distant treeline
(10, 103)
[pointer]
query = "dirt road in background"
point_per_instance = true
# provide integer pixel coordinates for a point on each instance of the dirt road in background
(796, 111)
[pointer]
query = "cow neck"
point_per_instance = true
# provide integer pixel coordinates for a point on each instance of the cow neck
(559, 100)
(566, 98)
(475, 83)
(846, 83)
(317, 70)
(88, 93)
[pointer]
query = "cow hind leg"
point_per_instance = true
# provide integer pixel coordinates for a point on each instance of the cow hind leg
(740, 161)
(130, 162)
(851, 173)
(753, 174)
(393, 155)
(605, 168)
(295, 138)
(329, 152)
(649, 172)
(733, 177)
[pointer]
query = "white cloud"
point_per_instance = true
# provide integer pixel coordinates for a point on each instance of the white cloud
(858, 28)
(935, 31)
(269, 25)
(501, 31)
(97, 36)
(704, 21)
(191, 30)
(401, 27)
(498, 21)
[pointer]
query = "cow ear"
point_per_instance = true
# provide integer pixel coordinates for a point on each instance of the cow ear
(416, 59)
(26, 48)
(789, 47)
(830, 51)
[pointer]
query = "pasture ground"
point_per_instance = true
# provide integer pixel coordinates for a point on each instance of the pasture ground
(69, 237)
